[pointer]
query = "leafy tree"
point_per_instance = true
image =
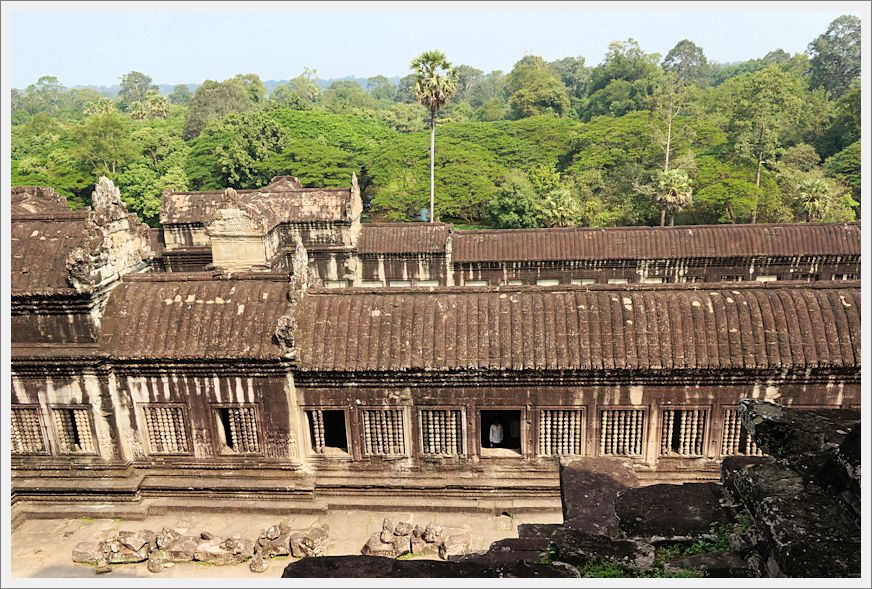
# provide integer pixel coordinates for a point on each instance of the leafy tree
(515, 204)
(535, 89)
(674, 192)
(625, 61)
(801, 157)
(135, 87)
(406, 118)
(99, 106)
(845, 166)
(560, 209)
(819, 199)
(843, 127)
(181, 94)
(435, 82)
(212, 101)
(762, 106)
(103, 144)
(835, 56)
(344, 96)
(253, 87)
(45, 96)
(688, 62)
(286, 96)
(546, 95)
(380, 88)
(468, 78)
(574, 75)
(157, 106)
(491, 87)
(242, 141)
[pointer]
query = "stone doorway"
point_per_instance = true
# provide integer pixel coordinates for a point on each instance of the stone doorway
(509, 421)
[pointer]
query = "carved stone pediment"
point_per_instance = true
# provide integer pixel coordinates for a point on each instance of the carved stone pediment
(234, 217)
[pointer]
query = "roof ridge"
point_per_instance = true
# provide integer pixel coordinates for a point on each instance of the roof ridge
(706, 286)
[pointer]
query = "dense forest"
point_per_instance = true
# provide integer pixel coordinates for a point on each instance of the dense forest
(639, 138)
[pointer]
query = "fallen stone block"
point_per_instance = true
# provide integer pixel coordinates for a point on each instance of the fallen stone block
(714, 564)
(136, 540)
(87, 552)
(375, 547)
(403, 529)
(433, 534)
(455, 545)
(257, 564)
(580, 548)
(224, 552)
(420, 547)
(669, 511)
(182, 549)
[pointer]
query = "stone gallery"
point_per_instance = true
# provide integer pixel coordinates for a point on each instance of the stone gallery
(266, 344)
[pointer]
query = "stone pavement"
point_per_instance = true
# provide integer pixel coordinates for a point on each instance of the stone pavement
(43, 548)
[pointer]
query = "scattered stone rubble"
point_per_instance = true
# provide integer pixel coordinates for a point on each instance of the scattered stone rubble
(167, 547)
(405, 538)
(795, 513)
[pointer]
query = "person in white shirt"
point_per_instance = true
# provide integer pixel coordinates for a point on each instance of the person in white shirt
(495, 435)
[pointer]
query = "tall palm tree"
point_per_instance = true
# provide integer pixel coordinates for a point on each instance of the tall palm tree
(435, 82)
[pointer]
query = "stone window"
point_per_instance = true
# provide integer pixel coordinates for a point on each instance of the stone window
(653, 280)
(427, 283)
(693, 279)
(475, 283)
(237, 429)
(514, 282)
(682, 432)
(621, 432)
(547, 282)
(383, 432)
(327, 431)
(167, 429)
(767, 278)
(73, 427)
(806, 277)
(561, 431)
(732, 278)
(619, 281)
(583, 281)
(735, 439)
(371, 283)
(335, 283)
(399, 283)
(27, 431)
(442, 432)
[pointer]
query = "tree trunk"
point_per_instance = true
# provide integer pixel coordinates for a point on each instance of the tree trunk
(663, 216)
(668, 143)
(757, 180)
(672, 218)
(432, 161)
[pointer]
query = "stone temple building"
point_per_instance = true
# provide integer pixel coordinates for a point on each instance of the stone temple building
(266, 344)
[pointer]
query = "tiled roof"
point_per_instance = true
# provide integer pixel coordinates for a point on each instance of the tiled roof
(193, 316)
(40, 246)
(656, 242)
(582, 328)
(403, 238)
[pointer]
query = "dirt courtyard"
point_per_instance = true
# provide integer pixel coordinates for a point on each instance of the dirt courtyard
(43, 547)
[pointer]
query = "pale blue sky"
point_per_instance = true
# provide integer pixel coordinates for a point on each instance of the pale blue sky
(99, 45)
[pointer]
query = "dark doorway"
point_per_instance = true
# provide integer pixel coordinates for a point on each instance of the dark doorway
(509, 425)
(334, 430)
(327, 431)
